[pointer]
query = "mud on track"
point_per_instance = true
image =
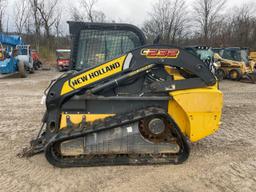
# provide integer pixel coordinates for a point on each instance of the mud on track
(225, 161)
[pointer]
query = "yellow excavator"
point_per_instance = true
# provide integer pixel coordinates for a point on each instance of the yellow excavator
(235, 65)
(126, 102)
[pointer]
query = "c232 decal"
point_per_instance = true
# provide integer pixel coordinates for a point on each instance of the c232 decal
(160, 53)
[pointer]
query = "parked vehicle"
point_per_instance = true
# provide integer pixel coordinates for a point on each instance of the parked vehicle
(236, 65)
(15, 56)
(36, 59)
(63, 59)
(24, 54)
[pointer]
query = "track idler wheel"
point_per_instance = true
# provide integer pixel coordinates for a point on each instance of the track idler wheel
(155, 129)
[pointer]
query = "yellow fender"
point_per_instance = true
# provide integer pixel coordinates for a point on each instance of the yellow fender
(197, 111)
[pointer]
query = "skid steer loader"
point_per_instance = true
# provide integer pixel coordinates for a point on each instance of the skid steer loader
(235, 65)
(126, 102)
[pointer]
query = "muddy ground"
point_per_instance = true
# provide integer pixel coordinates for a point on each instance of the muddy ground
(225, 161)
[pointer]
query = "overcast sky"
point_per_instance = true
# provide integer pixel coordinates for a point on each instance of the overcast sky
(129, 11)
(136, 11)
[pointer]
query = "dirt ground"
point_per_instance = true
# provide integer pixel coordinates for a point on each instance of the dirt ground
(225, 161)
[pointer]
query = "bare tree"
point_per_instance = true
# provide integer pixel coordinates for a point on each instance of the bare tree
(243, 24)
(89, 5)
(75, 14)
(29, 26)
(206, 15)
(57, 24)
(237, 27)
(36, 20)
(22, 11)
(87, 12)
(168, 18)
(36, 16)
(99, 16)
(221, 33)
(47, 12)
(3, 5)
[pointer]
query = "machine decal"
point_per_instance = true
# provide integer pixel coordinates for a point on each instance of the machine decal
(160, 53)
(93, 75)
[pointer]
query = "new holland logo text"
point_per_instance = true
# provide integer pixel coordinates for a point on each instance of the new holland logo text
(160, 53)
(95, 74)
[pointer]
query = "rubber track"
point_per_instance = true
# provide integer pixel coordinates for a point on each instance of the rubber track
(54, 157)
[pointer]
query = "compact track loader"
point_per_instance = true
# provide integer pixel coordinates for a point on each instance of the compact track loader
(141, 107)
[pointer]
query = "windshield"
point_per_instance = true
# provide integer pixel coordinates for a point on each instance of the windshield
(63, 55)
(205, 54)
(23, 51)
(234, 55)
(96, 46)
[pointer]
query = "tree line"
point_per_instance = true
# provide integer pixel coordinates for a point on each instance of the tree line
(202, 22)
(206, 22)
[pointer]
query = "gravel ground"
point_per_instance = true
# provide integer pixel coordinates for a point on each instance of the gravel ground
(225, 161)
